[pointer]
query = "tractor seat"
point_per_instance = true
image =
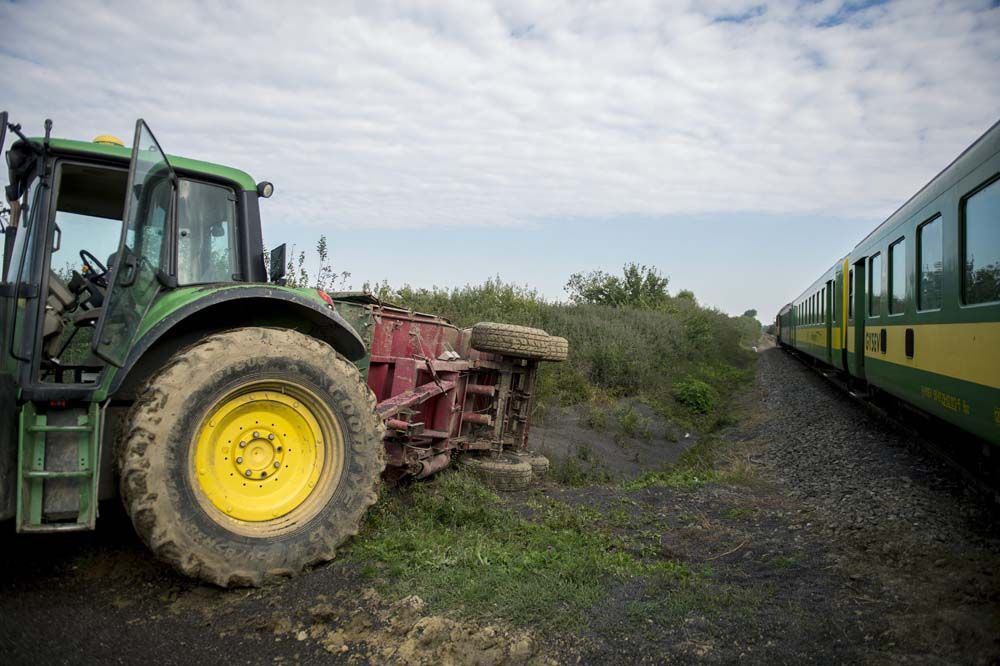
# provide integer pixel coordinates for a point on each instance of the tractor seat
(60, 298)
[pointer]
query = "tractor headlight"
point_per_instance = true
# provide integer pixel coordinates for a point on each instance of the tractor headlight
(265, 189)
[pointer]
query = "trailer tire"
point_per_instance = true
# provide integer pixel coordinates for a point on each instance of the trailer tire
(557, 349)
(193, 424)
(539, 464)
(504, 472)
(510, 340)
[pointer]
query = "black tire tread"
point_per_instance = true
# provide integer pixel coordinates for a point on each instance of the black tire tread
(510, 340)
(148, 422)
(556, 350)
(505, 472)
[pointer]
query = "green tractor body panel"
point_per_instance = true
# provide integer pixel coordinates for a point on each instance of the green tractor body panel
(185, 164)
(223, 306)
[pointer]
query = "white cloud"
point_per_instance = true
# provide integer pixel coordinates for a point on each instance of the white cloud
(469, 113)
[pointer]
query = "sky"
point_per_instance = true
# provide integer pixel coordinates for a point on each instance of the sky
(739, 147)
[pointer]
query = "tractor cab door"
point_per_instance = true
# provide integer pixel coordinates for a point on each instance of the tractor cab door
(142, 264)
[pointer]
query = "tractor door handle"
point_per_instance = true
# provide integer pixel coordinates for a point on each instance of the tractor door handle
(129, 265)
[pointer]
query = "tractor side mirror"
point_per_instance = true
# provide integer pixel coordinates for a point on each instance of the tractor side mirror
(277, 272)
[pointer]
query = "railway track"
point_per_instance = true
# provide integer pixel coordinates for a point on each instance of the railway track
(965, 454)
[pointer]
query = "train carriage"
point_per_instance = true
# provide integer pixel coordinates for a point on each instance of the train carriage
(914, 310)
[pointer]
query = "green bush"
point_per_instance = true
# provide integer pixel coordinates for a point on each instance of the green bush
(631, 424)
(696, 395)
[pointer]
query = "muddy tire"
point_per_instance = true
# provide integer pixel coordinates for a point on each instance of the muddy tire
(510, 340)
(539, 464)
(503, 472)
(315, 455)
(557, 349)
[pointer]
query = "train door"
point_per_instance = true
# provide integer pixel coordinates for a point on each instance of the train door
(856, 341)
(844, 293)
(828, 301)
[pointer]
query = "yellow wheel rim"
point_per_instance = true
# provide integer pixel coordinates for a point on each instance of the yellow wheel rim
(267, 457)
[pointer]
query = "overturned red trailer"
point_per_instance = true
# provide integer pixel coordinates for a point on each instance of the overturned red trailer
(443, 390)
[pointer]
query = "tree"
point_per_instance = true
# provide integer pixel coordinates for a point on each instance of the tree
(639, 286)
(297, 275)
(750, 313)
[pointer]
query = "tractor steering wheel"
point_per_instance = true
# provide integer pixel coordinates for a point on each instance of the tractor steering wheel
(91, 263)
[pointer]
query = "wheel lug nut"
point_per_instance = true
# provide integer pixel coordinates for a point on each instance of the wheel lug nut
(277, 464)
(239, 460)
(243, 445)
(249, 473)
(270, 435)
(256, 434)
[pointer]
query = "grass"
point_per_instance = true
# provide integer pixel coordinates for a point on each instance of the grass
(571, 473)
(782, 562)
(454, 543)
(710, 460)
(668, 601)
(631, 424)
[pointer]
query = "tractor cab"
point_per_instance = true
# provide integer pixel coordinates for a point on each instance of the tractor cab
(96, 234)
(113, 259)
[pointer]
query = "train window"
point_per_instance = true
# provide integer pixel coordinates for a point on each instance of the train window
(981, 245)
(875, 285)
(897, 277)
(929, 260)
(850, 294)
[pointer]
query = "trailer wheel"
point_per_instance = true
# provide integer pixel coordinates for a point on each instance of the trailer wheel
(503, 472)
(251, 455)
(510, 340)
(539, 463)
(557, 349)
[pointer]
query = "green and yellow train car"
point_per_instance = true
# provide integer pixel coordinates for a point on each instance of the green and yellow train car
(914, 309)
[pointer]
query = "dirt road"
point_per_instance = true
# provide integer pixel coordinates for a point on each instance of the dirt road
(817, 536)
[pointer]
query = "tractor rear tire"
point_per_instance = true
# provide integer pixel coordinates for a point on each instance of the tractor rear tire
(504, 472)
(510, 340)
(263, 407)
(557, 349)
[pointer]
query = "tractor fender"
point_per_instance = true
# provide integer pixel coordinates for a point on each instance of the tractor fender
(227, 309)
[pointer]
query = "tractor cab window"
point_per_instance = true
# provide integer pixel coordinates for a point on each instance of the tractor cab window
(206, 233)
(89, 206)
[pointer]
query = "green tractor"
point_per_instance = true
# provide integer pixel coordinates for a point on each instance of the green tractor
(137, 315)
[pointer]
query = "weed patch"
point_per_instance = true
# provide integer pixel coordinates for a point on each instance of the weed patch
(571, 473)
(696, 395)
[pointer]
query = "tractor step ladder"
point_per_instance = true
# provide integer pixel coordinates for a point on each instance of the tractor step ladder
(58, 461)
